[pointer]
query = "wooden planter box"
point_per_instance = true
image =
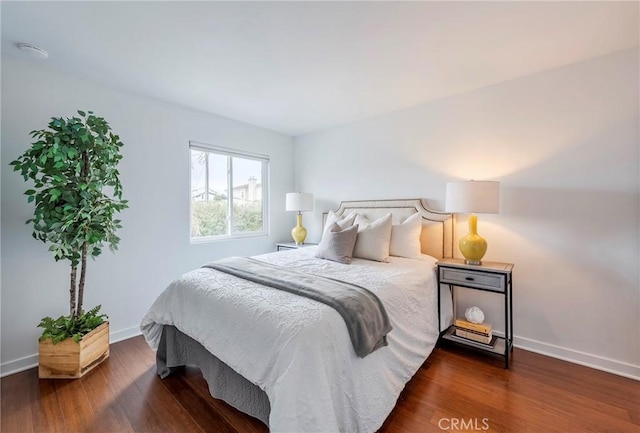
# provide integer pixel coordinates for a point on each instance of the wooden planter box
(71, 360)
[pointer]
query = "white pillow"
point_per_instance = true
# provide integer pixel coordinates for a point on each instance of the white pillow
(344, 221)
(373, 238)
(405, 238)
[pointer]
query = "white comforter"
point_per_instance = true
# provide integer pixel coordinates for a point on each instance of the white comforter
(298, 350)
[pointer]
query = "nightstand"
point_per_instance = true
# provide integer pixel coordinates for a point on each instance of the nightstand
(492, 277)
(291, 245)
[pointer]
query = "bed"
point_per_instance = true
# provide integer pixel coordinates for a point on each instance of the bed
(288, 360)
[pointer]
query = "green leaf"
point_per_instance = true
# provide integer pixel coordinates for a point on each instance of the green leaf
(55, 195)
(71, 327)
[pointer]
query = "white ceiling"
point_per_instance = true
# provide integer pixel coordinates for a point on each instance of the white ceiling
(299, 67)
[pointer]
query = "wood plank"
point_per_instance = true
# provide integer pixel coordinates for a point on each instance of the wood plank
(142, 416)
(15, 409)
(198, 408)
(240, 421)
(192, 377)
(104, 402)
(74, 404)
(46, 412)
(174, 416)
(470, 386)
(537, 394)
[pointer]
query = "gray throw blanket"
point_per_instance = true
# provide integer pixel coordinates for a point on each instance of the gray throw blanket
(362, 311)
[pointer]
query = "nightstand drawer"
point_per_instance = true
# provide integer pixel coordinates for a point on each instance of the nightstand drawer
(481, 280)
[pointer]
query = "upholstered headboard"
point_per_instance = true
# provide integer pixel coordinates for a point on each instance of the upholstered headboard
(437, 227)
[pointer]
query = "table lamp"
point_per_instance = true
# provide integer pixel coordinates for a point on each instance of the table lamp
(299, 202)
(473, 197)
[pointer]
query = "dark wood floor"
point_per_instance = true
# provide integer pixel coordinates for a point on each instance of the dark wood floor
(455, 390)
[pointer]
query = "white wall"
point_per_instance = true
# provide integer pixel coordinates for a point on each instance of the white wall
(155, 174)
(564, 144)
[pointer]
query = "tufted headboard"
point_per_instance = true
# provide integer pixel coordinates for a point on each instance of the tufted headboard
(437, 227)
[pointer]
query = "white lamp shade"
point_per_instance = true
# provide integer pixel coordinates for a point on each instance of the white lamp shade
(473, 196)
(299, 201)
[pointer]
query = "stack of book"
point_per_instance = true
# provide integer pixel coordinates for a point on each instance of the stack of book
(479, 333)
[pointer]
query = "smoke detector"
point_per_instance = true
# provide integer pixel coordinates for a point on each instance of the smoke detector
(33, 51)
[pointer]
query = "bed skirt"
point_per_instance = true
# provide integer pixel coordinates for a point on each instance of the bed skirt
(177, 349)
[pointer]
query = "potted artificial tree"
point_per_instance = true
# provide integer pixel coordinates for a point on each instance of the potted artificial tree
(77, 193)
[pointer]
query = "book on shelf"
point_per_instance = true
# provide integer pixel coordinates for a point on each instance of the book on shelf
(471, 331)
(475, 336)
(473, 343)
(470, 326)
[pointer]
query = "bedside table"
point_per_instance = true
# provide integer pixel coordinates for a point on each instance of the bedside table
(495, 277)
(291, 245)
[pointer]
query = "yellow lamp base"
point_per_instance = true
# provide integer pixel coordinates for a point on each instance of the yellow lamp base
(299, 233)
(473, 246)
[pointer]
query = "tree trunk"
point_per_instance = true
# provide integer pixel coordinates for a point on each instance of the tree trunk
(72, 292)
(84, 175)
(82, 274)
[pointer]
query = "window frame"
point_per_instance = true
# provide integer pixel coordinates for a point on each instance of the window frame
(230, 154)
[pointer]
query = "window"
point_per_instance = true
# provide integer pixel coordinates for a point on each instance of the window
(228, 193)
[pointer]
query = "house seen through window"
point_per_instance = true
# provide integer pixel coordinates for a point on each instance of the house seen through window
(228, 191)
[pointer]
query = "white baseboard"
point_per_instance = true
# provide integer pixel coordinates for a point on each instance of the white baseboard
(124, 334)
(575, 356)
(569, 355)
(31, 361)
(18, 365)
